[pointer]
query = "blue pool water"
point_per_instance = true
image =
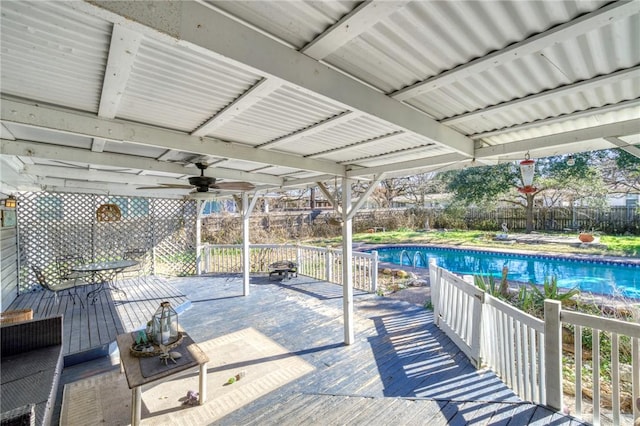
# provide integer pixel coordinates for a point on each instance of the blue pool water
(594, 276)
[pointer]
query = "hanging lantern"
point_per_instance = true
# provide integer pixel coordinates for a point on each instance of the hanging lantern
(527, 168)
(164, 325)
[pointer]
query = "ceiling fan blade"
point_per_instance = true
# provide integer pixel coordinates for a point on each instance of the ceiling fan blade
(233, 186)
(167, 186)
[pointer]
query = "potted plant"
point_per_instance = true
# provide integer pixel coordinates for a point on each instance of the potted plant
(586, 237)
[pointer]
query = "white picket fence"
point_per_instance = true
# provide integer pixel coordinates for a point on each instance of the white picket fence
(526, 352)
(315, 262)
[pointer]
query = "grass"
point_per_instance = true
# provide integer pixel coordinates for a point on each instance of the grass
(610, 245)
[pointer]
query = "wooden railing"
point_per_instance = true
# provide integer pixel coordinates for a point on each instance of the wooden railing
(526, 352)
(315, 262)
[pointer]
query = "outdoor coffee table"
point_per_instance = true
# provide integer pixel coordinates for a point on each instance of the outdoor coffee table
(132, 369)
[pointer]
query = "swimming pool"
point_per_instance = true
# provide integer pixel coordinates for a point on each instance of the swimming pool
(594, 276)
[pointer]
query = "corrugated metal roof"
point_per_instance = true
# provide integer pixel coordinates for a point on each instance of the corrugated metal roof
(173, 84)
(296, 22)
(283, 112)
(426, 38)
(51, 53)
(56, 53)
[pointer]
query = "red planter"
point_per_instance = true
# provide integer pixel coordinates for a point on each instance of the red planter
(585, 238)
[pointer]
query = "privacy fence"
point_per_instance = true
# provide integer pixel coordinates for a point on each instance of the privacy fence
(321, 223)
(527, 352)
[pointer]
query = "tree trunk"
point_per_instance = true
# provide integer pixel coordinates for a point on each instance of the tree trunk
(529, 213)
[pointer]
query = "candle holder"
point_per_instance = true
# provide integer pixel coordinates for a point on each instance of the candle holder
(164, 325)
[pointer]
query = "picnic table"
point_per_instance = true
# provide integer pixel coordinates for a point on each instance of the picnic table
(284, 268)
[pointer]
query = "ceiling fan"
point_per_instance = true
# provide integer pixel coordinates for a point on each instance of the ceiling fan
(203, 183)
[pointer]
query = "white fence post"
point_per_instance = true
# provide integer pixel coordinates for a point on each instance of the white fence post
(434, 282)
(374, 271)
(328, 260)
(553, 353)
(207, 258)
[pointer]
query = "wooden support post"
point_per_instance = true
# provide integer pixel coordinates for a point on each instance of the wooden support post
(553, 353)
(246, 253)
(347, 267)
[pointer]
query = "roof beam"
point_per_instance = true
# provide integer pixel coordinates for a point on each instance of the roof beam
(626, 74)
(122, 53)
(69, 121)
(83, 174)
(200, 28)
(631, 149)
(69, 185)
(255, 94)
(572, 29)
(28, 149)
(350, 26)
(623, 128)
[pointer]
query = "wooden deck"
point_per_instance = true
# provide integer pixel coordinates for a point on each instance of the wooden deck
(400, 370)
(90, 330)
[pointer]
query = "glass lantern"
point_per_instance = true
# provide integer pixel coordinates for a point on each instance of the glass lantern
(164, 325)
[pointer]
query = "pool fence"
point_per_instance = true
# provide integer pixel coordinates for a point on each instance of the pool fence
(527, 352)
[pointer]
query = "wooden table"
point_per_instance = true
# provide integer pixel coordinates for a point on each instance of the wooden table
(131, 367)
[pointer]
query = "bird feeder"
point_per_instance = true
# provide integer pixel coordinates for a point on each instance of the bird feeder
(527, 169)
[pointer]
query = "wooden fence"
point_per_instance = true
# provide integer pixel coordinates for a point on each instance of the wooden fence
(526, 352)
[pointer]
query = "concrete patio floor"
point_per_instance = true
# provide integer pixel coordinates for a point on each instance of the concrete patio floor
(400, 369)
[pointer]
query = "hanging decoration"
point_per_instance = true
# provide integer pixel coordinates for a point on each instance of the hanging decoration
(108, 213)
(527, 169)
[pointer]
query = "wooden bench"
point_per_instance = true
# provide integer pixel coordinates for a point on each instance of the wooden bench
(284, 268)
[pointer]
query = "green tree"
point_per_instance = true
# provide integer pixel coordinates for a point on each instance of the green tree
(554, 179)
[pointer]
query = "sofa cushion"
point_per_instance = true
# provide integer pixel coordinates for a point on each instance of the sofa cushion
(21, 416)
(18, 366)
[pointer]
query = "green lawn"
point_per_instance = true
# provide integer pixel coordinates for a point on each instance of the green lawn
(613, 245)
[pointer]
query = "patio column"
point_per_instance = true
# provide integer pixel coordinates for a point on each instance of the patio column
(347, 276)
(247, 208)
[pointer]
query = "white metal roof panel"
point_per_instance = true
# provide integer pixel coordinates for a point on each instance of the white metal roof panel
(173, 84)
(359, 129)
(565, 126)
(295, 22)
(52, 53)
(383, 157)
(553, 107)
(562, 64)
(284, 111)
(426, 38)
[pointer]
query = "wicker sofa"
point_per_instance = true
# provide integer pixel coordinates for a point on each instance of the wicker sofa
(31, 364)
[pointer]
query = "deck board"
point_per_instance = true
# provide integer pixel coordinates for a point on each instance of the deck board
(94, 326)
